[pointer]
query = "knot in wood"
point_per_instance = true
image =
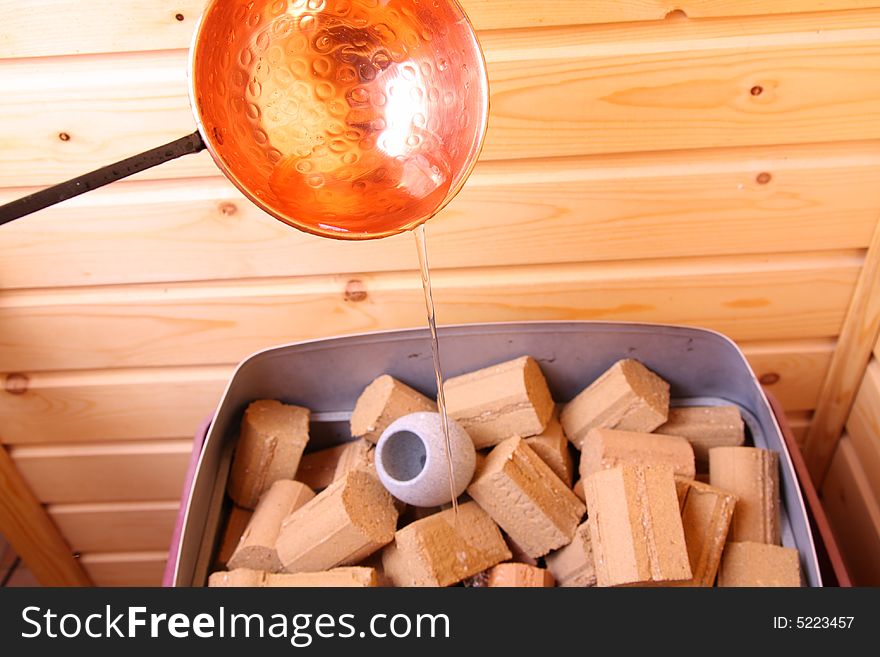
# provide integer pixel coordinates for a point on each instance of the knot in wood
(17, 384)
(355, 290)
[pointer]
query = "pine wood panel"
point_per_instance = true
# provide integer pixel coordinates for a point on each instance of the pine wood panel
(726, 201)
(747, 297)
(793, 371)
(111, 405)
(583, 102)
(116, 526)
(556, 92)
(858, 336)
(126, 568)
(107, 472)
(854, 514)
(99, 27)
(68, 407)
(863, 426)
(31, 533)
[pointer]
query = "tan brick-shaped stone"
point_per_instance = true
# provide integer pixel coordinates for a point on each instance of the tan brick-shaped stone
(236, 522)
(607, 448)
(501, 401)
(705, 427)
(635, 524)
(348, 521)
(759, 564)
(517, 553)
(241, 578)
(578, 489)
(357, 455)
(256, 549)
(382, 402)
(706, 513)
(273, 437)
(345, 577)
(574, 565)
(519, 575)
(553, 448)
(336, 578)
(441, 550)
(752, 474)
(628, 397)
(525, 497)
(317, 469)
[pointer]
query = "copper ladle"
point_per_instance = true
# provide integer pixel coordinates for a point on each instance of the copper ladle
(352, 119)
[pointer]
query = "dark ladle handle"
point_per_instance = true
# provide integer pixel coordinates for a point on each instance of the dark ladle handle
(99, 177)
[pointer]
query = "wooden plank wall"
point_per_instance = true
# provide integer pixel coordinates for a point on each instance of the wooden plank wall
(705, 162)
(851, 492)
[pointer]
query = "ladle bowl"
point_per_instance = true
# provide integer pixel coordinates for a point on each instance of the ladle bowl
(344, 118)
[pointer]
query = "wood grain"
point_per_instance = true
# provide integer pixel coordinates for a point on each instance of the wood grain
(854, 514)
(133, 404)
(857, 339)
(748, 297)
(126, 568)
(675, 99)
(105, 472)
(116, 526)
(117, 405)
(640, 87)
(726, 201)
(32, 534)
(99, 27)
(863, 426)
(792, 371)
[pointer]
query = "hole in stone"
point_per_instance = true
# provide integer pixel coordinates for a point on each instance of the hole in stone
(404, 455)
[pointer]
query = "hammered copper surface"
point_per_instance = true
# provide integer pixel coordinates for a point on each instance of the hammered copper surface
(352, 119)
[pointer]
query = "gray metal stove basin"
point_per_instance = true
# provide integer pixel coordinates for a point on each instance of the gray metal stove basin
(327, 375)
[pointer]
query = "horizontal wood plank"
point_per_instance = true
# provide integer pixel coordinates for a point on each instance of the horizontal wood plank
(863, 426)
(116, 526)
(556, 92)
(726, 201)
(106, 472)
(854, 515)
(109, 405)
(793, 371)
(576, 97)
(748, 297)
(69, 407)
(126, 568)
(99, 27)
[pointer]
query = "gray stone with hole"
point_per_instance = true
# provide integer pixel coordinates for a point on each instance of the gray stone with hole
(411, 459)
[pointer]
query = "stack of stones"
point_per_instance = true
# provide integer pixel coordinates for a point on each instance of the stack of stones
(662, 496)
